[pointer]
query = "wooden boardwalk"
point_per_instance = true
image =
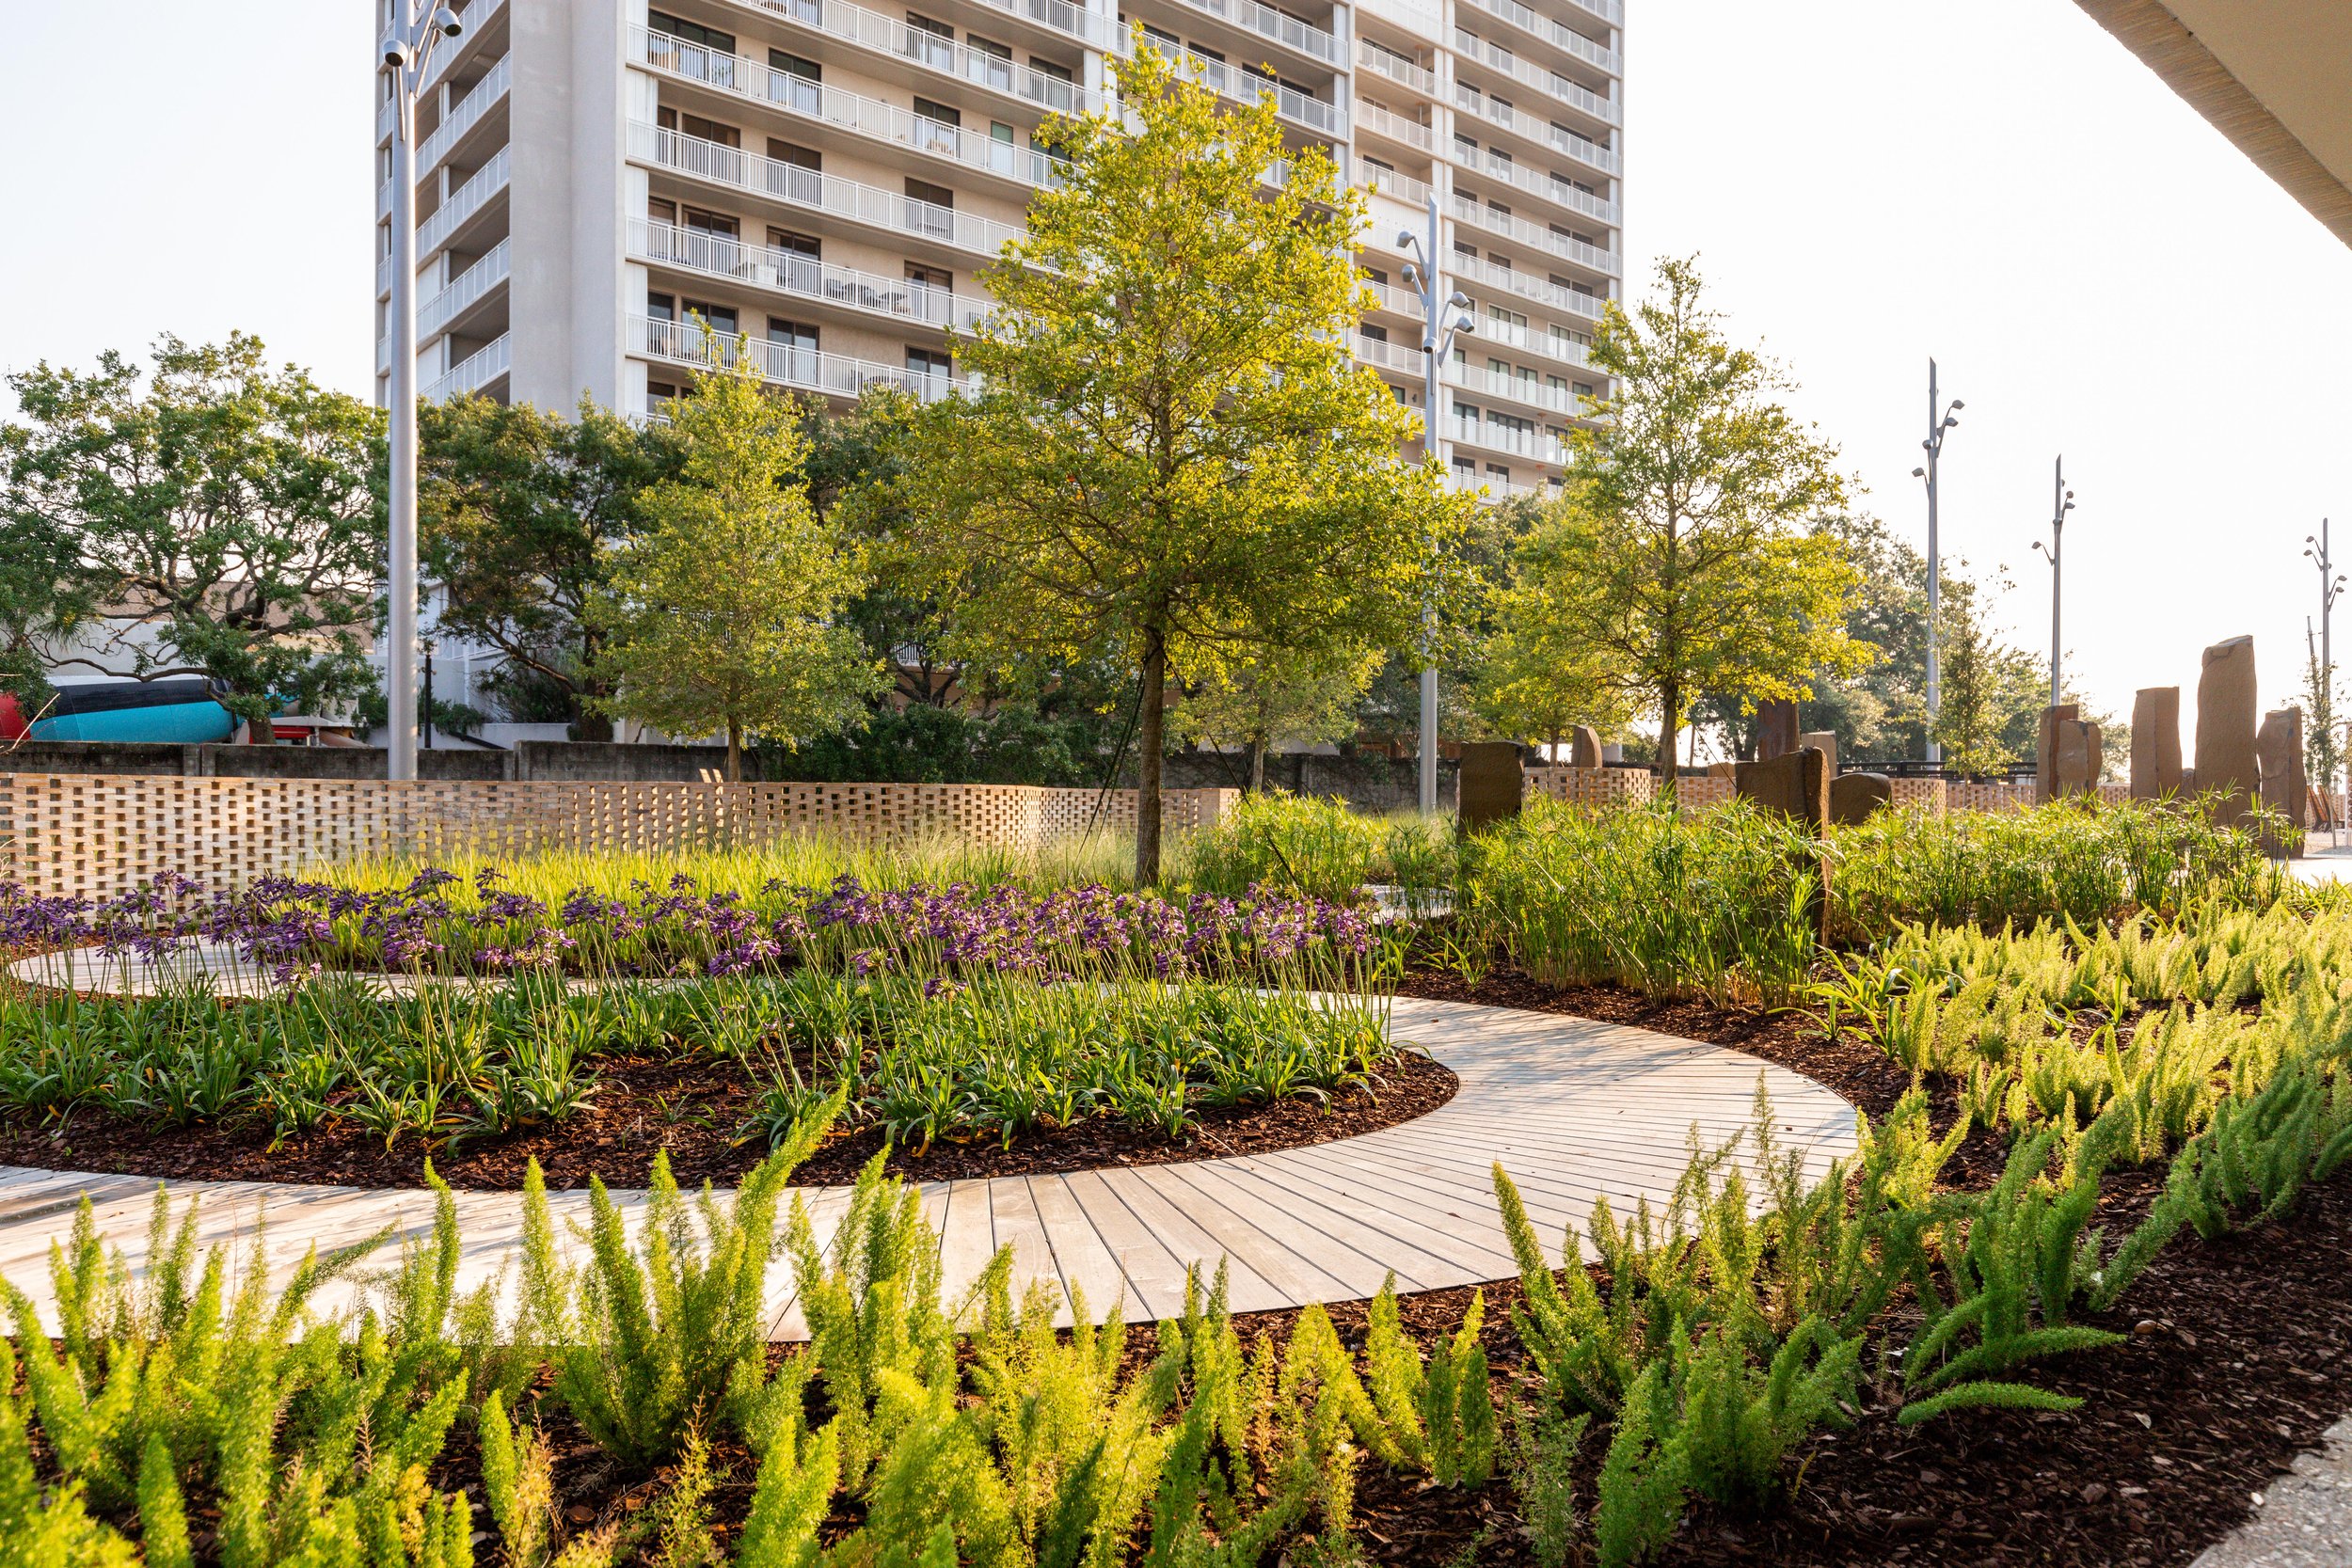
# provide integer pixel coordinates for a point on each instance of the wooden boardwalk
(1573, 1110)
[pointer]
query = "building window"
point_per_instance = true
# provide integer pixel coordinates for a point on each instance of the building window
(929, 374)
(1583, 388)
(932, 42)
(993, 60)
(697, 126)
(937, 126)
(690, 32)
(661, 308)
(931, 209)
(1497, 472)
(796, 261)
(1465, 411)
(939, 114)
(796, 83)
(795, 173)
(792, 349)
(1375, 333)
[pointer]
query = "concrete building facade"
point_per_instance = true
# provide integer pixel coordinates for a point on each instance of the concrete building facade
(828, 180)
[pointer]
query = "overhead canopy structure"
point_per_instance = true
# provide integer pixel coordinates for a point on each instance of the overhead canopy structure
(2275, 76)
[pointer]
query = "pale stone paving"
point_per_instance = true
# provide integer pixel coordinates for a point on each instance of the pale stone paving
(1572, 1108)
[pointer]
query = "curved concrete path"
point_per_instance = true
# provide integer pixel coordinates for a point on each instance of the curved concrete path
(1572, 1108)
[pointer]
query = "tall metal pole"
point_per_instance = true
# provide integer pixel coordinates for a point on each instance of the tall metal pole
(2330, 584)
(1430, 444)
(400, 645)
(2061, 502)
(1422, 273)
(1938, 423)
(407, 53)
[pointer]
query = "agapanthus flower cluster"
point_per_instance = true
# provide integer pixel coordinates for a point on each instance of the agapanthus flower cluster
(292, 926)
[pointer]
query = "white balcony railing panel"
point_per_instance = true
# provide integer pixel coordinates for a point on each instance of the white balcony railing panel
(464, 115)
(791, 273)
(469, 286)
(806, 368)
(1510, 225)
(893, 37)
(477, 371)
(462, 203)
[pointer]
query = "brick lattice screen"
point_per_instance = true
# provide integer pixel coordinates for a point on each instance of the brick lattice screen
(97, 833)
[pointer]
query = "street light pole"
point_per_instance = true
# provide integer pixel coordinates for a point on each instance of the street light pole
(406, 55)
(2061, 502)
(1421, 276)
(1937, 425)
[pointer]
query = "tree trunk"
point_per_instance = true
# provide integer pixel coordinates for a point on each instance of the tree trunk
(1152, 741)
(735, 753)
(1670, 697)
(1257, 765)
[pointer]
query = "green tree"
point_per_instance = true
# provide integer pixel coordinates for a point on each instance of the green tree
(1991, 693)
(726, 609)
(517, 510)
(1677, 556)
(229, 512)
(1281, 694)
(1170, 456)
(1535, 679)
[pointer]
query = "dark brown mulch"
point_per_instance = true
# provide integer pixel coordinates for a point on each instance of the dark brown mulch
(695, 1110)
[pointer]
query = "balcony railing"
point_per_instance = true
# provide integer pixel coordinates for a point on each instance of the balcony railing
(443, 59)
(464, 115)
(867, 117)
(1583, 148)
(1062, 17)
(1549, 187)
(1566, 39)
(1394, 126)
(1428, 21)
(828, 193)
(1527, 72)
(1390, 356)
(475, 371)
(892, 36)
(469, 286)
(1482, 216)
(1487, 436)
(1403, 301)
(1485, 385)
(463, 203)
(1395, 67)
(810, 370)
(715, 256)
(1403, 187)
(1248, 86)
(1268, 22)
(1527, 286)
(1497, 490)
(1529, 340)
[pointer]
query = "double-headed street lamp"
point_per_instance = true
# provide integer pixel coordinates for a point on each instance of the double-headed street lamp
(1421, 276)
(2061, 502)
(407, 56)
(1937, 424)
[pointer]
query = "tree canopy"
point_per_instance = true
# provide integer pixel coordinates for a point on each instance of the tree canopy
(1170, 458)
(221, 518)
(1678, 561)
(518, 508)
(726, 610)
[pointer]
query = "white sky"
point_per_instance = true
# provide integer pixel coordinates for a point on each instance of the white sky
(1865, 182)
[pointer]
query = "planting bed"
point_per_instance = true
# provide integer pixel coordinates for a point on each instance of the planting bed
(684, 1107)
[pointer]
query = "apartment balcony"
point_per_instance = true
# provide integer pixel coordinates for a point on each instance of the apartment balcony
(1248, 86)
(1396, 68)
(1426, 20)
(1567, 40)
(1405, 358)
(1381, 123)
(1494, 492)
(465, 113)
(1583, 148)
(1527, 286)
(462, 293)
(1091, 27)
(1495, 57)
(1402, 302)
(1543, 185)
(803, 278)
(1533, 446)
(1478, 215)
(1527, 339)
(868, 118)
(1387, 183)
(475, 373)
(1266, 22)
(891, 37)
(484, 186)
(903, 217)
(1523, 389)
(803, 369)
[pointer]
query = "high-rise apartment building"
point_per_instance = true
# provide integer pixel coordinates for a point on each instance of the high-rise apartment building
(829, 180)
